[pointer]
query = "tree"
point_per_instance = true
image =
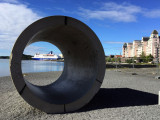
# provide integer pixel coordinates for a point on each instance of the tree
(118, 59)
(108, 59)
(146, 59)
(129, 61)
(143, 57)
(149, 58)
(26, 57)
(134, 59)
(113, 60)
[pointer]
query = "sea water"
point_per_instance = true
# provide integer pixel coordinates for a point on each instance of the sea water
(30, 66)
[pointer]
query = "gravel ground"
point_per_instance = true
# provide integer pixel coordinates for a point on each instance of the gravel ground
(123, 96)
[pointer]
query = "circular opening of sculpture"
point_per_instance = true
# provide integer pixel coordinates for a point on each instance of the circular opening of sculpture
(42, 63)
(79, 66)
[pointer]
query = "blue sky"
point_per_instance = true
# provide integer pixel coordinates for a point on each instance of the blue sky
(114, 21)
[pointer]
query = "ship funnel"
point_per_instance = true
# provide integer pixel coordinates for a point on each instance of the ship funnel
(84, 65)
(51, 52)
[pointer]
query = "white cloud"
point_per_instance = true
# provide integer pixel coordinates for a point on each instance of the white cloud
(112, 42)
(116, 12)
(14, 19)
(32, 49)
(124, 7)
(113, 48)
(9, 1)
(123, 12)
(152, 13)
(7, 41)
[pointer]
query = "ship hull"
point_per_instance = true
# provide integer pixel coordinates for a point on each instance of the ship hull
(44, 59)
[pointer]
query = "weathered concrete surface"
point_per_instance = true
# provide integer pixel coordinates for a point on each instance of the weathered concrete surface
(122, 96)
(84, 65)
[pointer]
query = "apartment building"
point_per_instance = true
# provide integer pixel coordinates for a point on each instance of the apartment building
(148, 45)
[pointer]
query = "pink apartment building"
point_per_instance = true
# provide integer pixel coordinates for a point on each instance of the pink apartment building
(148, 45)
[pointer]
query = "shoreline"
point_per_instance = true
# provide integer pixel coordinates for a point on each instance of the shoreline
(125, 69)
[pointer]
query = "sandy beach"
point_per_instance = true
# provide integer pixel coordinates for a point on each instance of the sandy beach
(123, 96)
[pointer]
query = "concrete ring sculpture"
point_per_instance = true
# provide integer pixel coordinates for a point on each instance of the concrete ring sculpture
(84, 65)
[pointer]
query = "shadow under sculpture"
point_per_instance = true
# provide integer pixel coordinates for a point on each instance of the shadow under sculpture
(84, 65)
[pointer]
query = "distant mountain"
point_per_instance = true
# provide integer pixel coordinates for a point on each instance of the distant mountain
(24, 57)
(4, 57)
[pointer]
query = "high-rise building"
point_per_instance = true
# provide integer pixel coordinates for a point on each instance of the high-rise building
(148, 45)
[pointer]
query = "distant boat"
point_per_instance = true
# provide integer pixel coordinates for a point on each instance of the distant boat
(49, 56)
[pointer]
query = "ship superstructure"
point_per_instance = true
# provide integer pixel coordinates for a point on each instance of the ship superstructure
(49, 56)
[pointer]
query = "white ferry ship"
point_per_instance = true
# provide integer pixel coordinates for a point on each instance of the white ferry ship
(49, 56)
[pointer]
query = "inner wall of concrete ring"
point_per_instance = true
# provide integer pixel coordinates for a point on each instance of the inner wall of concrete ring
(84, 64)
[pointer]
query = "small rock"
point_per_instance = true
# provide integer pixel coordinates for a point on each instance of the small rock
(134, 74)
